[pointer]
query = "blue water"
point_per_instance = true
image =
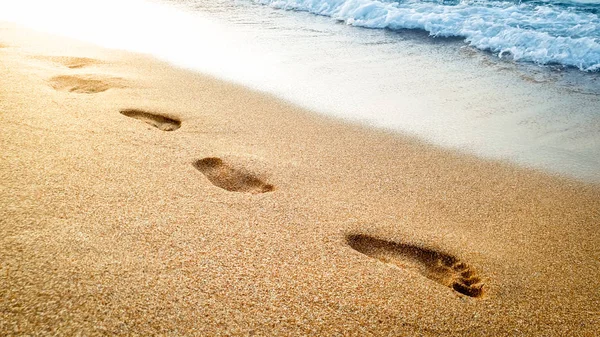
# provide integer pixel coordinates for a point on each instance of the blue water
(565, 33)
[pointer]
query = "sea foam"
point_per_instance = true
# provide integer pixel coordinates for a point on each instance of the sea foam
(540, 32)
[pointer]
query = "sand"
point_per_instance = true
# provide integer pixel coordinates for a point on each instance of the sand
(142, 199)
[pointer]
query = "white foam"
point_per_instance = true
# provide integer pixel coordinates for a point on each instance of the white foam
(538, 33)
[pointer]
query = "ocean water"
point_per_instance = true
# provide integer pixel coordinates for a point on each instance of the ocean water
(514, 81)
(561, 32)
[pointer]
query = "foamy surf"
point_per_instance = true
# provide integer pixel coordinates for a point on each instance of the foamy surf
(543, 32)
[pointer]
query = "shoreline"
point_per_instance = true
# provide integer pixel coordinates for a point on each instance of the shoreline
(459, 98)
(143, 198)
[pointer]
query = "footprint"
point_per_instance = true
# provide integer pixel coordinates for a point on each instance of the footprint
(442, 268)
(84, 84)
(161, 122)
(230, 179)
(72, 62)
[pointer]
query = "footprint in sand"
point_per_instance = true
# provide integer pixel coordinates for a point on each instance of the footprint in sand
(158, 121)
(72, 62)
(231, 179)
(84, 84)
(439, 267)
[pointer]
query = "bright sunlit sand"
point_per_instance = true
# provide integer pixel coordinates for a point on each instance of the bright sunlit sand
(437, 90)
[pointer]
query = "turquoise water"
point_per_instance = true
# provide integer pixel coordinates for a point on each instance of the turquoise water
(544, 32)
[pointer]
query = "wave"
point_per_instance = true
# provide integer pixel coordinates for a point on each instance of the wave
(542, 32)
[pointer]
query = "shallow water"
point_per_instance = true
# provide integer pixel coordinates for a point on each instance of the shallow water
(439, 89)
(546, 32)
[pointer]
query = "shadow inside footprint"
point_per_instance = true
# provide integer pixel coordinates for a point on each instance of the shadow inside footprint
(84, 84)
(73, 62)
(440, 267)
(160, 122)
(224, 176)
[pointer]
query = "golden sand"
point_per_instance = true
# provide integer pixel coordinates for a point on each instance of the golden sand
(142, 199)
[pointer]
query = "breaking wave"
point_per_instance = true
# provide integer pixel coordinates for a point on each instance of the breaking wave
(544, 32)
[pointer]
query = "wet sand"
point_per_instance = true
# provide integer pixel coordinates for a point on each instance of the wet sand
(139, 198)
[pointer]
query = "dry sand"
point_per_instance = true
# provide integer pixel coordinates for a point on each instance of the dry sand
(142, 199)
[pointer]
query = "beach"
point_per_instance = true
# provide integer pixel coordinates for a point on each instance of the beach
(139, 198)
